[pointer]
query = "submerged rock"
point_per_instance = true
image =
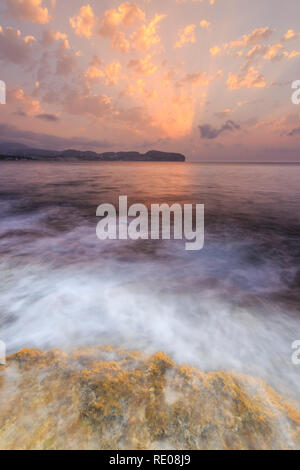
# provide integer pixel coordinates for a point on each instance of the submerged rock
(106, 398)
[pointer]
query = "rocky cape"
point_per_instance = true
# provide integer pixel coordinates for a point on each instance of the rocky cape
(11, 152)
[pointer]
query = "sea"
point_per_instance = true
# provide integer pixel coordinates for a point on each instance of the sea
(232, 306)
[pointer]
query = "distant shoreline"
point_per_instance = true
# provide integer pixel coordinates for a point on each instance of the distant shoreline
(12, 158)
(79, 156)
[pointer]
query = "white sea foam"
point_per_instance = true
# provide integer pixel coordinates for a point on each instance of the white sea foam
(123, 304)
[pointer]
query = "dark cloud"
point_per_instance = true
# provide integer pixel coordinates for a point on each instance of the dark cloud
(20, 113)
(295, 131)
(209, 132)
(281, 83)
(14, 48)
(223, 114)
(48, 117)
(66, 61)
(47, 141)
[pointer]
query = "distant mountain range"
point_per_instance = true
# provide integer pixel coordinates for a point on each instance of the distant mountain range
(15, 151)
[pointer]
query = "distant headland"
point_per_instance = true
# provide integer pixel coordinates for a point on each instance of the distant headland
(20, 152)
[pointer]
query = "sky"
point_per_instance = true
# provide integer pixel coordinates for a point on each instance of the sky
(208, 78)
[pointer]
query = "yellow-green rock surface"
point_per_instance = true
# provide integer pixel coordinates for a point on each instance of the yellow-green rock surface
(104, 398)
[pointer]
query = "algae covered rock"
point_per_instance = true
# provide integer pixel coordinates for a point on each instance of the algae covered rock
(107, 398)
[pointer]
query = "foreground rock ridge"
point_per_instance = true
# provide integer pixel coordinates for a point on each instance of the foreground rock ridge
(77, 155)
(107, 398)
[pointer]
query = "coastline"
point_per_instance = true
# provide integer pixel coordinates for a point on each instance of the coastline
(87, 156)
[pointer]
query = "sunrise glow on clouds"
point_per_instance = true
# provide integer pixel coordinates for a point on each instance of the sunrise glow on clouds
(211, 79)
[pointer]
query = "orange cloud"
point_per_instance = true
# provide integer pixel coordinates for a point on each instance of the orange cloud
(292, 55)
(172, 113)
(272, 51)
(257, 35)
(170, 109)
(290, 34)
(147, 35)
(124, 15)
(250, 79)
(186, 35)
(50, 36)
(205, 24)
(111, 73)
(25, 103)
(112, 22)
(83, 24)
(216, 50)
(142, 66)
(31, 10)
(95, 70)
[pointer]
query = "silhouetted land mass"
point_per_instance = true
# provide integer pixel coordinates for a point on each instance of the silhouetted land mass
(10, 152)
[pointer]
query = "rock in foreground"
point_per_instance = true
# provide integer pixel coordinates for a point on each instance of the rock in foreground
(105, 398)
